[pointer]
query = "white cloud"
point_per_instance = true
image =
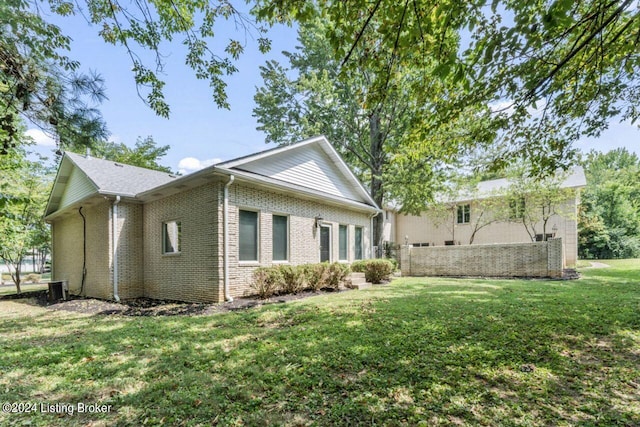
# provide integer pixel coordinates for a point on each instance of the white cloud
(191, 164)
(41, 138)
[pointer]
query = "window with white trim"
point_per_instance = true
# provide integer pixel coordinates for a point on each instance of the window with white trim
(464, 214)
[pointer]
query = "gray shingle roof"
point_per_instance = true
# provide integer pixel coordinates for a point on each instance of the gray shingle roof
(574, 179)
(118, 178)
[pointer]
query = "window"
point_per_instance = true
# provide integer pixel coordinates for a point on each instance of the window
(248, 236)
(280, 238)
(516, 208)
(543, 237)
(358, 238)
(464, 214)
(171, 231)
(342, 236)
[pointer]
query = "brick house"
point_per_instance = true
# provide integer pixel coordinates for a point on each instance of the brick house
(123, 232)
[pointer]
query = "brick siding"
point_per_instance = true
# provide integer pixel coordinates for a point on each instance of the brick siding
(304, 237)
(68, 250)
(130, 251)
(539, 259)
(193, 274)
(196, 273)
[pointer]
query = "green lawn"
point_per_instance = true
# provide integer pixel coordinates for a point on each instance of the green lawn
(9, 288)
(419, 351)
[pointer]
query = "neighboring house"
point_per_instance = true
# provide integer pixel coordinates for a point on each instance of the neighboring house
(124, 232)
(457, 226)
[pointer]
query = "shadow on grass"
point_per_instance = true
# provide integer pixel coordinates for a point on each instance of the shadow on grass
(513, 353)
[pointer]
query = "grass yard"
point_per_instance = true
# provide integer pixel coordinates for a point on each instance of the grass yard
(9, 288)
(420, 351)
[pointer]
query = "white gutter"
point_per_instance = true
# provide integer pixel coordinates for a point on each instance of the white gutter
(225, 255)
(114, 218)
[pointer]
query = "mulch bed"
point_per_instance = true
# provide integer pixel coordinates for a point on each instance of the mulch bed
(152, 307)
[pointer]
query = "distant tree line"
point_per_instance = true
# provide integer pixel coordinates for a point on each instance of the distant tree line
(609, 216)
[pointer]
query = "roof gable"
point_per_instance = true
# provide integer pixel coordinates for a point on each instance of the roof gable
(80, 177)
(117, 178)
(312, 164)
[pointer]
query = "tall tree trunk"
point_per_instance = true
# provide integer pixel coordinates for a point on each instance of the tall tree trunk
(376, 140)
(15, 276)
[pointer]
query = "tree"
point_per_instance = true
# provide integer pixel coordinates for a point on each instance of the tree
(26, 185)
(39, 83)
(369, 125)
(593, 237)
(141, 27)
(552, 71)
(609, 225)
(144, 154)
(532, 202)
(485, 208)
(443, 211)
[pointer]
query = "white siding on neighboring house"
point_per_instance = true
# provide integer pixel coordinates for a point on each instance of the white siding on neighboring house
(309, 167)
(78, 187)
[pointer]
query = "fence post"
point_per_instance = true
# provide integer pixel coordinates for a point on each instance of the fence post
(555, 258)
(405, 260)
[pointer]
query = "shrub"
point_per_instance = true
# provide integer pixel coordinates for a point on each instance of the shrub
(358, 266)
(32, 278)
(336, 274)
(394, 263)
(293, 277)
(377, 270)
(316, 275)
(267, 281)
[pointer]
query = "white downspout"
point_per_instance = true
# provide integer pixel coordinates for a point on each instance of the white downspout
(114, 207)
(225, 255)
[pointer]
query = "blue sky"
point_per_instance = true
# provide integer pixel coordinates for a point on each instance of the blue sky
(198, 132)
(197, 129)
